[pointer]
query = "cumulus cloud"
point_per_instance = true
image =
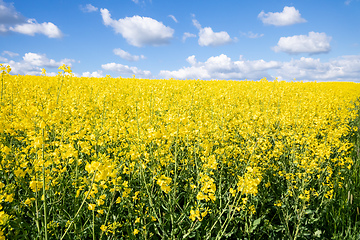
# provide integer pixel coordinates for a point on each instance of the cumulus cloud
(173, 18)
(191, 60)
(207, 37)
(312, 43)
(33, 63)
(39, 60)
(222, 67)
(345, 68)
(11, 20)
(188, 35)
(88, 8)
(32, 27)
(139, 31)
(288, 16)
(127, 56)
(124, 69)
(97, 74)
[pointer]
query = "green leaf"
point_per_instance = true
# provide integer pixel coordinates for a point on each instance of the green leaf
(317, 233)
(255, 223)
(308, 211)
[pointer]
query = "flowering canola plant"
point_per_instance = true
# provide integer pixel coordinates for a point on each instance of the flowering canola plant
(148, 159)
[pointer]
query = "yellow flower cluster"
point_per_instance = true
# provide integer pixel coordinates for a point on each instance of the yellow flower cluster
(248, 183)
(164, 183)
(198, 213)
(105, 142)
(208, 188)
(5, 68)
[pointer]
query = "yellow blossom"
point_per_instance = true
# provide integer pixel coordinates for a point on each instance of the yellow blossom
(91, 206)
(164, 183)
(232, 191)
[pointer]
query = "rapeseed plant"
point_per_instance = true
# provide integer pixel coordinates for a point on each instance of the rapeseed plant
(146, 159)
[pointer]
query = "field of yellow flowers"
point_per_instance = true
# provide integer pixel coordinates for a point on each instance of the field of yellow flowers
(127, 158)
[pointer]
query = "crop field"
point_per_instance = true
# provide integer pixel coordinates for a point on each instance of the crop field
(127, 158)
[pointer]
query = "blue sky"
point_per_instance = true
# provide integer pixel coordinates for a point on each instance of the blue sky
(303, 39)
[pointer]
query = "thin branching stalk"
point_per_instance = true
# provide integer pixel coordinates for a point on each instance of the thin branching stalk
(44, 187)
(93, 224)
(144, 179)
(108, 211)
(73, 219)
(36, 207)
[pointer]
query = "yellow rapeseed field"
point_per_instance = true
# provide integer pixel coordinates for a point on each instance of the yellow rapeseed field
(120, 158)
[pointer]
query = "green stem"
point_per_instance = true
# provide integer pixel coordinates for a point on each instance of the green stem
(143, 176)
(43, 186)
(93, 224)
(108, 212)
(172, 207)
(36, 206)
(72, 221)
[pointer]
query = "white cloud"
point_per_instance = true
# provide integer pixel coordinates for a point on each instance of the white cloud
(141, 3)
(312, 43)
(10, 54)
(173, 18)
(3, 28)
(97, 74)
(32, 27)
(345, 68)
(35, 59)
(9, 15)
(11, 20)
(32, 64)
(124, 69)
(3, 59)
(288, 16)
(222, 67)
(186, 73)
(88, 8)
(188, 35)
(250, 34)
(191, 60)
(127, 56)
(196, 23)
(207, 37)
(139, 31)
